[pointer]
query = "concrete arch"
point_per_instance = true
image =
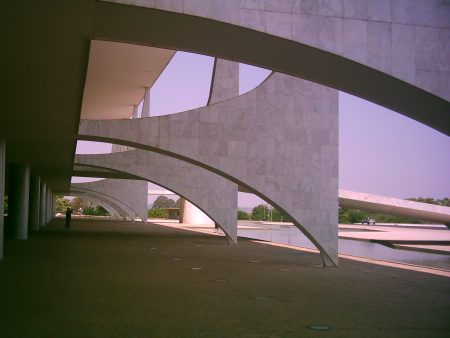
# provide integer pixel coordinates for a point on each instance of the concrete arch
(111, 202)
(125, 210)
(113, 210)
(131, 195)
(215, 196)
(281, 54)
(279, 141)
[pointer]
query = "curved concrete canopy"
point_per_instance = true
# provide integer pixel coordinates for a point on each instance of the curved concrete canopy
(114, 210)
(241, 44)
(212, 194)
(118, 205)
(394, 206)
(131, 195)
(83, 171)
(117, 76)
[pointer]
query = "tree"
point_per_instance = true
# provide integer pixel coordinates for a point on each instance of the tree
(163, 202)
(260, 212)
(158, 213)
(62, 204)
(242, 215)
(350, 216)
(78, 203)
(97, 210)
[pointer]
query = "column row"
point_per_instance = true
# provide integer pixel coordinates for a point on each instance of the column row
(31, 203)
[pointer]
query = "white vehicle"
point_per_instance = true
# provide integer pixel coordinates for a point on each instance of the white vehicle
(368, 221)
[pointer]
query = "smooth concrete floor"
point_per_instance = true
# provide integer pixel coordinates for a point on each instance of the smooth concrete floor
(117, 279)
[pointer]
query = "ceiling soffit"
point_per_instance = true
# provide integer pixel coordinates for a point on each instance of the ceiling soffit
(117, 76)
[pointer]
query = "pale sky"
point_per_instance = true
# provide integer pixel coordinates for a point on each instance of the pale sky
(380, 151)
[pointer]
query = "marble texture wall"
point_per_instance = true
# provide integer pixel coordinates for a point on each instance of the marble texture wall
(408, 39)
(279, 141)
(214, 195)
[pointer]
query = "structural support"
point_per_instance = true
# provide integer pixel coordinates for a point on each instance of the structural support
(225, 81)
(279, 141)
(190, 214)
(211, 193)
(18, 201)
(2, 191)
(42, 204)
(35, 195)
(54, 206)
(146, 104)
(135, 112)
(130, 195)
(47, 204)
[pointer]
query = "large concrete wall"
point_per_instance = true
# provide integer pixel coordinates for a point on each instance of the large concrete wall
(279, 141)
(214, 195)
(407, 39)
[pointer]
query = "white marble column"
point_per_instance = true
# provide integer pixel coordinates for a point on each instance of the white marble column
(135, 112)
(146, 104)
(190, 214)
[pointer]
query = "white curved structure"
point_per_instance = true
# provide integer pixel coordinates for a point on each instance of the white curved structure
(214, 195)
(112, 209)
(406, 39)
(118, 208)
(131, 195)
(278, 141)
(394, 206)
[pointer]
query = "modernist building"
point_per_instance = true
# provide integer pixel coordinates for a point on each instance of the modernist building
(77, 70)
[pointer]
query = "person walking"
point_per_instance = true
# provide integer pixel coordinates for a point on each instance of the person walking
(68, 217)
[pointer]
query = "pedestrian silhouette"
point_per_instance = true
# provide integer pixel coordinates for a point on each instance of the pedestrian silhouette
(68, 216)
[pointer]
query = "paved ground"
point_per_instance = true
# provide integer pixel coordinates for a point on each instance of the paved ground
(115, 279)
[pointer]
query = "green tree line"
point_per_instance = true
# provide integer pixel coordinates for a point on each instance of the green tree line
(263, 213)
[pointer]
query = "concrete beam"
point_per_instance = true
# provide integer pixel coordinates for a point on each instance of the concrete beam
(394, 206)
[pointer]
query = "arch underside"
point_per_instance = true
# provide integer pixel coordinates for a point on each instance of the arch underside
(212, 194)
(130, 194)
(237, 43)
(112, 208)
(125, 210)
